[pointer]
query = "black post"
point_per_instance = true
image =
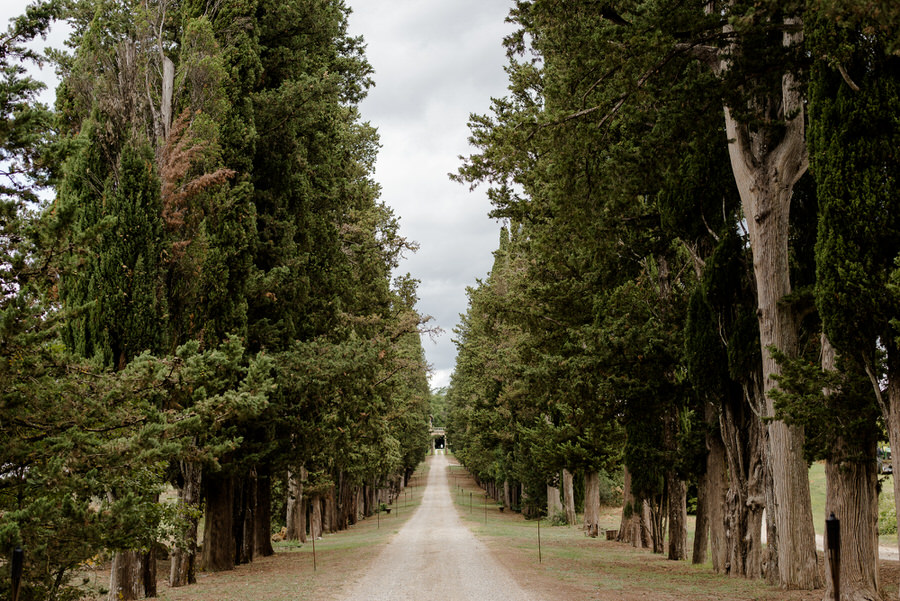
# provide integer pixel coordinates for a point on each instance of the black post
(18, 563)
(470, 502)
(833, 538)
(540, 558)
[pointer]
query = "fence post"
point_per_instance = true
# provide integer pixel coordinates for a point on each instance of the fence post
(833, 538)
(540, 557)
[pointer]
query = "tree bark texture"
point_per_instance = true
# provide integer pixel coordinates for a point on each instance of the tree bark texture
(294, 506)
(743, 437)
(245, 517)
(701, 529)
(569, 497)
(628, 533)
(315, 517)
(263, 515)
(218, 531)
(347, 505)
(554, 501)
(149, 571)
(591, 503)
(304, 514)
(851, 495)
(646, 525)
(890, 408)
(634, 527)
(657, 522)
(182, 570)
(677, 503)
(329, 517)
(126, 577)
(716, 486)
(766, 199)
(766, 169)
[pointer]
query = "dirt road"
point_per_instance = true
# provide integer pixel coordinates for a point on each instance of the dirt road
(434, 556)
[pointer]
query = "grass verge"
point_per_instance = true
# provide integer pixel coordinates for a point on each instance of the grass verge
(572, 566)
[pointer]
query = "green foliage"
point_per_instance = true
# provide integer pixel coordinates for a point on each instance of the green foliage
(437, 403)
(212, 283)
(813, 398)
(89, 449)
(852, 139)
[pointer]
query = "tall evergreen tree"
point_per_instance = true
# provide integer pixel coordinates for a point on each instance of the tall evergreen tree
(854, 130)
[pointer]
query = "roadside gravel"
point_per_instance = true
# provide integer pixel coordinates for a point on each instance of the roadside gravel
(434, 556)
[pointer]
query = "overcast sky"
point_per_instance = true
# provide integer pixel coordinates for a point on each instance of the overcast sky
(435, 61)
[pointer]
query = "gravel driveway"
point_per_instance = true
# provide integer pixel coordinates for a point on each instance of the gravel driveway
(435, 557)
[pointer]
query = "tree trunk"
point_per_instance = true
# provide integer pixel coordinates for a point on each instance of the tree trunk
(766, 170)
(347, 505)
(304, 513)
(329, 517)
(554, 501)
(132, 574)
(218, 531)
(126, 577)
(630, 524)
(294, 521)
(591, 503)
(182, 569)
(716, 486)
(168, 82)
(263, 515)
(677, 501)
(245, 517)
(890, 408)
(149, 573)
(315, 518)
(657, 522)
(701, 529)
(743, 437)
(569, 497)
(646, 525)
(851, 495)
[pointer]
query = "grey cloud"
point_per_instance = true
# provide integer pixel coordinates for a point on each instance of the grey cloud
(435, 63)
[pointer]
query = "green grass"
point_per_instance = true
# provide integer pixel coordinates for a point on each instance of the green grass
(817, 495)
(595, 568)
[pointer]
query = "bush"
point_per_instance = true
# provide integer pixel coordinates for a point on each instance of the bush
(558, 518)
(610, 489)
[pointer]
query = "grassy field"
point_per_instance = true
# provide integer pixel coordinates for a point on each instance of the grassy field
(817, 494)
(571, 566)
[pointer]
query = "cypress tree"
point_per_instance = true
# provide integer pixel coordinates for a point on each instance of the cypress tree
(853, 135)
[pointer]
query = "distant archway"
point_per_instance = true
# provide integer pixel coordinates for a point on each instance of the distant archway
(438, 439)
